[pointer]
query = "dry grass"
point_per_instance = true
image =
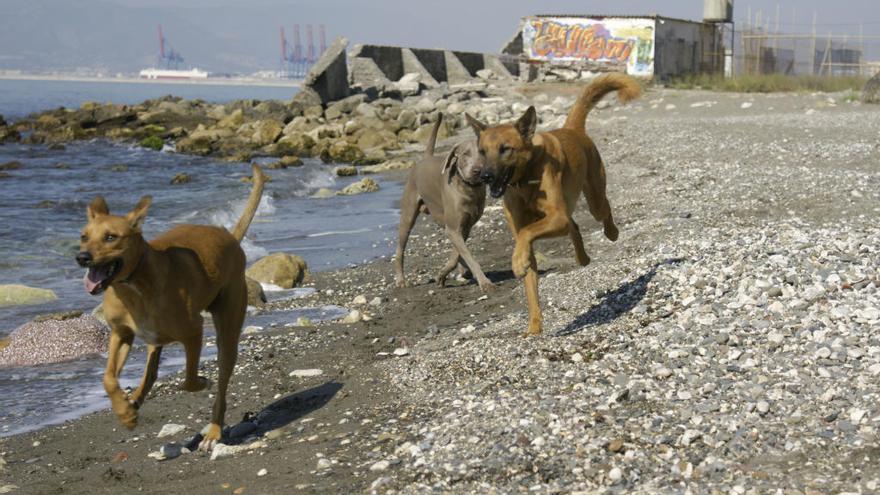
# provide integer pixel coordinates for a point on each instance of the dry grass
(771, 83)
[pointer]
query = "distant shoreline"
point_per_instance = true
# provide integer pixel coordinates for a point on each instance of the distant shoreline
(278, 83)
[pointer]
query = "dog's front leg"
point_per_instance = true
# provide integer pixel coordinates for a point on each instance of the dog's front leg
(120, 342)
(150, 373)
(460, 245)
(554, 224)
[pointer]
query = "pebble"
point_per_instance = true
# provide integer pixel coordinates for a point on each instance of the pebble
(359, 300)
(615, 475)
(262, 472)
(170, 430)
(376, 301)
(380, 466)
(401, 351)
(306, 373)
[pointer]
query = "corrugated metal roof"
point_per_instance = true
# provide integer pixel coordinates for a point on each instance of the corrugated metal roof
(599, 17)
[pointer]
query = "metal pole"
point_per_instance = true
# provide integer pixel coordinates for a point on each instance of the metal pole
(813, 47)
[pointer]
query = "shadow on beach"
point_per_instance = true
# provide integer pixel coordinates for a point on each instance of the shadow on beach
(615, 303)
(278, 414)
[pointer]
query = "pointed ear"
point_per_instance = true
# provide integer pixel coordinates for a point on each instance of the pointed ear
(475, 124)
(97, 207)
(449, 163)
(136, 216)
(526, 124)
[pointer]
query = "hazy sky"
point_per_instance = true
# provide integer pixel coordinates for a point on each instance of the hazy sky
(242, 35)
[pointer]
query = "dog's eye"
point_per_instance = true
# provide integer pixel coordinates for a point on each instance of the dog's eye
(109, 238)
(83, 238)
(482, 152)
(503, 149)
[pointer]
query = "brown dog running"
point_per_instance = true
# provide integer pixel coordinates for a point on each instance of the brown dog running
(157, 290)
(547, 173)
(451, 191)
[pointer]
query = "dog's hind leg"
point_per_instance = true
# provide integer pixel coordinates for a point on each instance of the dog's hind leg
(597, 200)
(192, 382)
(410, 206)
(580, 254)
(151, 372)
(451, 263)
(228, 312)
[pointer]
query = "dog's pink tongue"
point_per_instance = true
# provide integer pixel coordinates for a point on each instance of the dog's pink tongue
(93, 279)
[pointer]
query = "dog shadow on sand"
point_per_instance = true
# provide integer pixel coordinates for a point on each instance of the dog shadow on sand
(280, 413)
(615, 303)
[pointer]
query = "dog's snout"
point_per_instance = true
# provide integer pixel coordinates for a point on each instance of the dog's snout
(84, 258)
(486, 176)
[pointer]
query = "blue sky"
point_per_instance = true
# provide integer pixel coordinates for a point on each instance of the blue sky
(242, 35)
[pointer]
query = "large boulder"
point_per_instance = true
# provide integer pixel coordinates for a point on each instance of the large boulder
(364, 185)
(194, 145)
(256, 296)
(54, 339)
(21, 295)
(384, 139)
(293, 144)
(871, 91)
(343, 152)
(266, 132)
(232, 121)
(284, 270)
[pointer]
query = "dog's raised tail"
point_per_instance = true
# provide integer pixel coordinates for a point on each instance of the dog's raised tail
(432, 139)
(250, 209)
(627, 89)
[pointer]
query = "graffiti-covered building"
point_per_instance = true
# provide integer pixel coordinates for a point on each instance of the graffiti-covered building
(646, 46)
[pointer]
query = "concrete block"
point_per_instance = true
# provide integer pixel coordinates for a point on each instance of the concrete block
(412, 65)
(329, 76)
(456, 72)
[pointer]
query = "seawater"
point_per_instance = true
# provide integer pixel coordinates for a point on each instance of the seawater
(43, 208)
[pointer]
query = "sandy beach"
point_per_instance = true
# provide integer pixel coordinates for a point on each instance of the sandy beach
(727, 342)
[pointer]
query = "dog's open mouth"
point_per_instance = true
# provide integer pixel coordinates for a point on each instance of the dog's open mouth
(499, 185)
(99, 277)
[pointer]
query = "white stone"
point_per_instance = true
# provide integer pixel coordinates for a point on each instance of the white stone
(615, 475)
(262, 472)
(353, 317)
(170, 429)
(401, 351)
(380, 466)
(306, 373)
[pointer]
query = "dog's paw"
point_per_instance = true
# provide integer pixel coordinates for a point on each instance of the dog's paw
(520, 262)
(487, 286)
(200, 383)
(401, 283)
(611, 232)
(583, 259)
(127, 414)
(534, 330)
(210, 437)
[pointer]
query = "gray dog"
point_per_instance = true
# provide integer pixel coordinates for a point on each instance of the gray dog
(452, 192)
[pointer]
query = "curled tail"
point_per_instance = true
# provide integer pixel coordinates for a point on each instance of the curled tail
(432, 139)
(627, 89)
(253, 202)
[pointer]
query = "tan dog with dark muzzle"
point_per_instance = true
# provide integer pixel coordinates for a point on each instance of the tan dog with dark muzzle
(542, 176)
(157, 290)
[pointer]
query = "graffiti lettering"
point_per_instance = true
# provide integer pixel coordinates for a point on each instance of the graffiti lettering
(593, 42)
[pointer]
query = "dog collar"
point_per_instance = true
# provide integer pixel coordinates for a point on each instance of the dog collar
(138, 265)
